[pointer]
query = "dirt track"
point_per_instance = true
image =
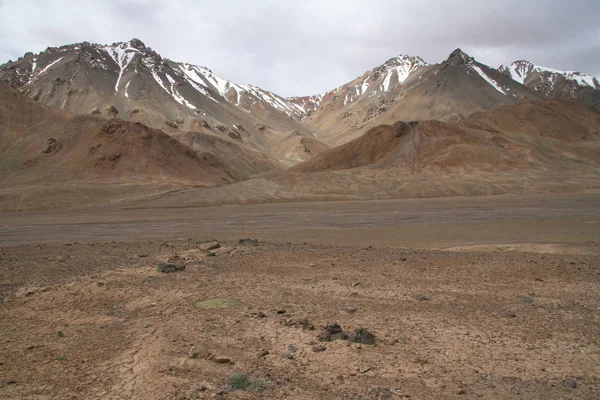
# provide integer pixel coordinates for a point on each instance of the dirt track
(509, 311)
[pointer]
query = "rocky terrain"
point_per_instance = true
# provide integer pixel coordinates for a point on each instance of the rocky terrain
(130, 81)
(553, 83)
(453, 298)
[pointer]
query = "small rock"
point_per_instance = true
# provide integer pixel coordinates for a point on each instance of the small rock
(167, 268)
(192, 352)
(281, 312)
(331, 333)
(364, 370)
(261, 314)
(362, 336)
(319, 349)
(262, 354)
(220, 360)
(355, 284)
(570, 383)
(248, 241)
(209, 246)
(510, 315)
(292, 348)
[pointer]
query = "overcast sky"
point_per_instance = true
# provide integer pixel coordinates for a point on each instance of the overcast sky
(311, 46)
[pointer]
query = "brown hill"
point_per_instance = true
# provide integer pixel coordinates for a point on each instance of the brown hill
(525, 148)
(546, 134)
(39, 145)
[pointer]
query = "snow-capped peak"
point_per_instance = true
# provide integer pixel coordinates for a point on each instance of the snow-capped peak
(400, 66)
(522, 70)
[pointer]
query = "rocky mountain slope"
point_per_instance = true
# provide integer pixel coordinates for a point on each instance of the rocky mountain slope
(407, 88)
(131, 81)
(554, 83)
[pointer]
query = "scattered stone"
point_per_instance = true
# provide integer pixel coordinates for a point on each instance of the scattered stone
(289, 356)
(210, 246)
(281, 312)
(351, 310)
(114, 157)
(302, 323)
(51, 146)
(220, 359)
(539, 280)
(143, 255)
(510, 315)
(262, 354)
(420, 297)
(331, 333)
(292, 348)
(248, 241)
(319, 349)
(166, 268)
(364, 370)
(355, 284)
(211, 254)
(570, 383)
(261, 314)
(192, 352)
(362, 336)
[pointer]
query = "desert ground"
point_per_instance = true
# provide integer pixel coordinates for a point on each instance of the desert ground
(480, 297)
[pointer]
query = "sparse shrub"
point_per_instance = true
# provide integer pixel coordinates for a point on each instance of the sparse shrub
(528, 300)
(242, 382)
(239, 381)
(258, 385)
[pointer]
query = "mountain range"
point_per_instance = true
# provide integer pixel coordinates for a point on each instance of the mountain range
(237, 132)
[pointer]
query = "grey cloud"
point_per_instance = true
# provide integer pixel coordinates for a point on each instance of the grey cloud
(306, 47)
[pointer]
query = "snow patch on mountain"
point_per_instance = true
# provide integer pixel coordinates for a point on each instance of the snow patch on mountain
(521, 70)
(53, 63)
(122, 54)
(489, 80)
